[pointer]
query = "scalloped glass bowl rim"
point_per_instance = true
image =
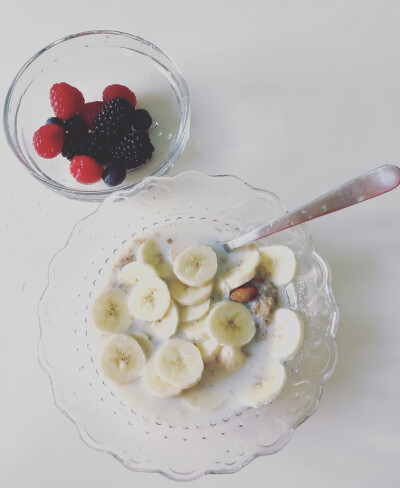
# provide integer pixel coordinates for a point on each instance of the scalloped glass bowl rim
(98, 195)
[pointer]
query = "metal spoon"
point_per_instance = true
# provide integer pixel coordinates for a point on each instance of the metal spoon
(364, 187)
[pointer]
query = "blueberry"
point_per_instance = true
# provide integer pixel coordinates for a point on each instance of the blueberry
(56, 121)
(76, 126)
(114, 174)
(142, 119)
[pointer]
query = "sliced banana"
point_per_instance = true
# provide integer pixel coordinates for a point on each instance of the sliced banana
(269, 387)
(188, 314)
(231, 358)
(287, 334)
(150, 253)
(196, 265)
(195, 330)
(167, 325)
(155, 384)
(150, 299)
(109, 311)
(209, 349)
(179, 363)
(136, 271)
(122, 359)
(230, 324)
(280, 262)
(202, 398)
(242, 272)
(144, 342)
(189, 295)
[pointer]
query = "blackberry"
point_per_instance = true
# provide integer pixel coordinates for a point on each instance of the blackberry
(75, 137)
(133, 150)
(115, 119)
(142, 119)
(97, 147)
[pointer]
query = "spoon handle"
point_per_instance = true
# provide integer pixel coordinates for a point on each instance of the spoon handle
(364, 187)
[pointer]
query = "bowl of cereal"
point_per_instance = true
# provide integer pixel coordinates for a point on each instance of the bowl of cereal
(158, 342)
(115, 98)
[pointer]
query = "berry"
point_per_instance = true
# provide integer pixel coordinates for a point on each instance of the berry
(85, 169)
(97, 147)
(48, 140)
(75, 137)
(112, 91)
(142, 119)
(55, 120)
(115, 119)
(114, 174)
(133, 150)
(65, 100)
(90, 111)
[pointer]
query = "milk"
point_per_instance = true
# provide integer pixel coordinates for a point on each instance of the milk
(172, 238)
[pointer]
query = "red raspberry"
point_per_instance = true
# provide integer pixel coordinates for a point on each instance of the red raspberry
(85, 169)
(112, 91)
(49, 140)
(90, 111)
(66, 100)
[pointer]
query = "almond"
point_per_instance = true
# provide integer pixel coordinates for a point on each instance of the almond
(243, 293)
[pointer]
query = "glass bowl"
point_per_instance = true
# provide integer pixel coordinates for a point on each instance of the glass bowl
(91, 61)
(66, 349)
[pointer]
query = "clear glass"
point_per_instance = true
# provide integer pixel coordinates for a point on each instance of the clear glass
(66, 351)
(91, 61)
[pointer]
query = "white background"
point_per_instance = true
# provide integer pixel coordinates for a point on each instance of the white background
(292, 96)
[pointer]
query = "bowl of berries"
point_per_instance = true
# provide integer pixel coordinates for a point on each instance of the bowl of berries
(97, 111)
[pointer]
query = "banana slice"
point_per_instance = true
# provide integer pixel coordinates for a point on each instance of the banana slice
(189, 295)
(203, 399)
(189, 314)
(155, 384)
(109, 311)
(269, 387)
(209, 349)
(150, 253)
(150, 299)
(243, 272)
(167, 325)
(195, 330)
(136, 271)
(179, 363)
(230, 324)
(280, 262)
(287, 334)
(144, 342)
(196, 265)
(231, 358)
(122, 359)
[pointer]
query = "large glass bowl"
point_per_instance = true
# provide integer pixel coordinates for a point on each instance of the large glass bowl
(66, 351)
(91, 61)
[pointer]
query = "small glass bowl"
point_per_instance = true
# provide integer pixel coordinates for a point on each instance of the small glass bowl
(91, 61)
(67, 351)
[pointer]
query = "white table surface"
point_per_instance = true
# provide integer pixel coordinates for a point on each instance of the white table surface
(293, 96)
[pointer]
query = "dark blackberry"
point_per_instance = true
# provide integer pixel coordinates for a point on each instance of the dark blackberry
(114, 174)
(133, 150)
(115, 119)
(97, 147)
(76, 132)
(142, 119)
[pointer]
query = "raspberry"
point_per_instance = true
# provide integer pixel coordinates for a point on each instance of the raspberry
(85, 169)
(112, 91)
(48, 140)
(90, 111)
(133, 150)
(115, 119)
(65, 100)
